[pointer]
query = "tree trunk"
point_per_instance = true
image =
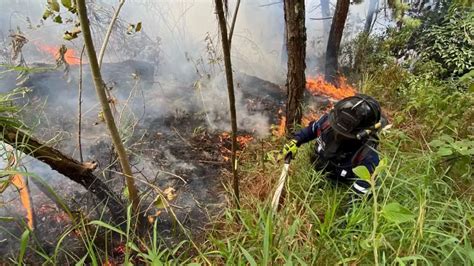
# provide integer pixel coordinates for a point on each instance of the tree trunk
(67, 166)
(109, 119)
(334, 41)
(296, 45)
(230, 90)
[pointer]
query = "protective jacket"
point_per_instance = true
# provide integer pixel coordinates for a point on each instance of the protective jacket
(337, 156)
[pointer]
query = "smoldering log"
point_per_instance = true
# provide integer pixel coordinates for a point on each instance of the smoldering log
(67, 166)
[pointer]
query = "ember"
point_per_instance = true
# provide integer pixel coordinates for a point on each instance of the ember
(226, 139)
(70, 55)
(244, 140)
(318, 86)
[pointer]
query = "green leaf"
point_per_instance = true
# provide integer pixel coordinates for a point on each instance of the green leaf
(396, 213)
(445, 151)
(467, 152)
(133, 246)
(81, 261)
(23, 245)
(160, 203)
(53, 5)
(58, 19)
(67, 4)
(125, 192)
(382, 166)
(107, 226)
(47, 13)
(436, 143)
(362, 172)
(249, 257)
(447, 138)
(267, 239)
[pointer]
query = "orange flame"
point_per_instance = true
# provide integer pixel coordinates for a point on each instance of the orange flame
(279, 130)
(318, 86)
(20, 183)
(244, 140)
(70, 55)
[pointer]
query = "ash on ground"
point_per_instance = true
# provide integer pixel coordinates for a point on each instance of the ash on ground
(174, 135)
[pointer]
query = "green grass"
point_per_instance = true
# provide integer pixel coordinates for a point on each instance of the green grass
(417, 219)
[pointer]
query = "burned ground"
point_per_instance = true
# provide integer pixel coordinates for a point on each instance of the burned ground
(172, 150)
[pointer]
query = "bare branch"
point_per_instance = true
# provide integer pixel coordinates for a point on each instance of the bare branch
(109, 32)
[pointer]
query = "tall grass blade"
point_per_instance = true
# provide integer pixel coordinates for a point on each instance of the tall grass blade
(249, 257)
(267, 238)
(81, 261)
(107, 226)
(23, 246)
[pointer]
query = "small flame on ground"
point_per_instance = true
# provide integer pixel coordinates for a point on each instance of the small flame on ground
(279, 131)
(20, 183)
(242, 141)
(318, 86)
(70, 55)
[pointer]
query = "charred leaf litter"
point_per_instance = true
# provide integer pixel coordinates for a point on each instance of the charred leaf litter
(173, 146)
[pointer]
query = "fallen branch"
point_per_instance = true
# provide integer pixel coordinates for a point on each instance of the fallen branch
(67, 166)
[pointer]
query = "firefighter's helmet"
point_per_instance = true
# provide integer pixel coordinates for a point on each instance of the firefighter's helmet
(355, 114)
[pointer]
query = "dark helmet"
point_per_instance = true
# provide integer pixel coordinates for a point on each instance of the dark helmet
(354, 114)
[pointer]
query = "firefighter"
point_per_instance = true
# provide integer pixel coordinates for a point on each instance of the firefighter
(346, 137)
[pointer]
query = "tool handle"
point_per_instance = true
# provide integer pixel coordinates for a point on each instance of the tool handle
(288, 158)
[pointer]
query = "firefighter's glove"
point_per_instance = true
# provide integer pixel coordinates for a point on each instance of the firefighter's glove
(290, 148)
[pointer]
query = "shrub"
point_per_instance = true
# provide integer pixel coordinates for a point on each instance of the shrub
(450, 42)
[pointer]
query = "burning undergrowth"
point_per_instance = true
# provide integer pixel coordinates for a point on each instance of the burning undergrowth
(321, 96)
(177, 136)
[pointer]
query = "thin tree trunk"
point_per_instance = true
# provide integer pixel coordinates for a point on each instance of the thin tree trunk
(109, 32)
(230, 89)
(232, 25)
(109, 119)
(296, 45)
(334, 41)
(79, 111)
(69, 167)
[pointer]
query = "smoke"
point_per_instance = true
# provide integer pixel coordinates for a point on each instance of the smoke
(214, 102)
(177, 58)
